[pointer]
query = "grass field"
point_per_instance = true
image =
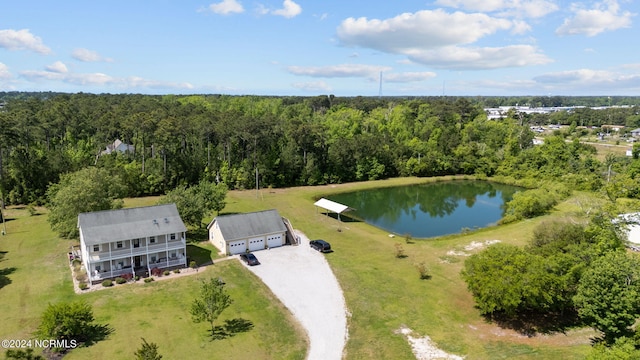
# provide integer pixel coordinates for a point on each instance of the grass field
(382, 292)
(35, 261)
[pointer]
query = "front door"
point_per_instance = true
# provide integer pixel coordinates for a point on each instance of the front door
(136, 261)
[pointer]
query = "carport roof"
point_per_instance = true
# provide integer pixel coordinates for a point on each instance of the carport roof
(332, 206)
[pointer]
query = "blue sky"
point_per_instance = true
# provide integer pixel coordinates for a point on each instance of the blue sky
(313, 47)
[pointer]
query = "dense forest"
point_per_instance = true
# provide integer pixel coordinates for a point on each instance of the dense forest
(249, 141)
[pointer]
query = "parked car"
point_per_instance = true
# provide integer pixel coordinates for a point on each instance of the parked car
(320, 245)
(250, 259)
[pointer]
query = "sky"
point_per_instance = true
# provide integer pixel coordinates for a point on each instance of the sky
(321, 47)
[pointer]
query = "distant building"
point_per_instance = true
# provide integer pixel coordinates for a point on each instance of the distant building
(635, 133)
(118, 146)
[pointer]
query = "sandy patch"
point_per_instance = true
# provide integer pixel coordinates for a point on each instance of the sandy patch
(425, 349)
(473, 246)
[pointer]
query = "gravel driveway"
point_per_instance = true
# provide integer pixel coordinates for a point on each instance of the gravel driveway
(302, 279)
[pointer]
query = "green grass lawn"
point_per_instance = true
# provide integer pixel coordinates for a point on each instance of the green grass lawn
(38, 271)
(382, 292)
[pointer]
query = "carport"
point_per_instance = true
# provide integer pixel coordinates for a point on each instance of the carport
(332, 206)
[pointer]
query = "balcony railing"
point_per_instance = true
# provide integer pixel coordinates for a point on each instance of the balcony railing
(168, 263)
(142, 250)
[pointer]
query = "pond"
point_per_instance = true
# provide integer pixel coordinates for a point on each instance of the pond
(429, 210)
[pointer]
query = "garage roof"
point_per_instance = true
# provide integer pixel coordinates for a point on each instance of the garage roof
(243, 226)
(332, 206)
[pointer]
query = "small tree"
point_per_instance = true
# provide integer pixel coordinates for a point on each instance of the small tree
(148, 351)
(400, 251)
(212, 302)
(67, 321)
(20, 354)
(423, 271)
(90, 189)
(608, 295)
(408, 238)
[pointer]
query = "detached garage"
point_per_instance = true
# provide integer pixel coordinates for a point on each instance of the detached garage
(239, 233)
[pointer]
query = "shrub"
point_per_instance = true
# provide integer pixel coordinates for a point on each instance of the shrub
(127, 276)
(120, 280)
(76, 263)
(408, 238)
(136, 278)
(31, 209)
(176, 271)
(107, 283)
(193, 265)
(156, 272)
(148, 280)
(166, 273)
(423, 270)
(531, 203)
(83, 286)
(400, 251)
(81, 277)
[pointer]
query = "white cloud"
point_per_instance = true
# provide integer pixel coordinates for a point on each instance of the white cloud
(226, 7)
(369, 72)
(5, 74)
(463, 58)
(440, 39)
(59, 72)
(321, 17)
(57, 67)
(22, 40)
(590, 79)
(421, 30)
(512, 8)
(604, 16)
(406, 77)
(313, 86)
(289, 9)
(87, 55)
(339, 71)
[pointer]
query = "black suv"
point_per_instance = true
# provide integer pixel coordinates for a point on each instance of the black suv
(320, 245)
(250, 259)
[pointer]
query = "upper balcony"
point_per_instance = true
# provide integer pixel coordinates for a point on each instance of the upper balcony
(128, 248)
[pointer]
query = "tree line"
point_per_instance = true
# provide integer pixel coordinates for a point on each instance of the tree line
(250, 141)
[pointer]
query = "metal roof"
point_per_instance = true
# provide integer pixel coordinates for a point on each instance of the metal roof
(243, 226)
(115, 225)
(332, 206)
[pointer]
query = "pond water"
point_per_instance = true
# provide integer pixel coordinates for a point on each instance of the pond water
(429, 210)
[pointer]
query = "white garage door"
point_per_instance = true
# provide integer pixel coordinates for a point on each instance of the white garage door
(274, 240)
(237, 247)
(256, 244)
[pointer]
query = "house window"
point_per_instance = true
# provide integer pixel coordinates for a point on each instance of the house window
(152, 240)
(153, 259)
(173, 237)
(96, 247)
(119, 244)
(136, 243)
(98, 268)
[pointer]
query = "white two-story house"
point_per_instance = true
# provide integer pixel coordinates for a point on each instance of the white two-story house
(131, 241)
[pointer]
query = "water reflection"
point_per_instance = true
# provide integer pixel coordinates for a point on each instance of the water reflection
(429, 210)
